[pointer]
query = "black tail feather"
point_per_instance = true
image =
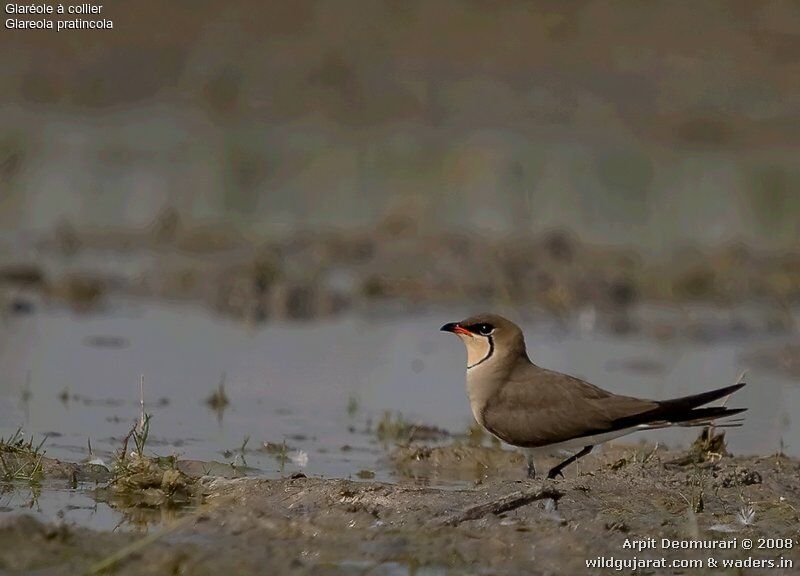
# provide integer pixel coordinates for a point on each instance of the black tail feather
(685, 412)
(695, 400)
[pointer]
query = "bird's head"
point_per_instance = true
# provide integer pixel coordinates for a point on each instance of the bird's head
(487, 336)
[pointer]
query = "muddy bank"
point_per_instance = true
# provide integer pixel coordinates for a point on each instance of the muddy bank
(312, 274)
(333, 526)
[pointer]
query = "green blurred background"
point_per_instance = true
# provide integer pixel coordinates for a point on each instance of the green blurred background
(649, 123)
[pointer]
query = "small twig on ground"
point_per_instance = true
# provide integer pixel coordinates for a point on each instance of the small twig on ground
(125, 441)
(505, 504)
(650, 454)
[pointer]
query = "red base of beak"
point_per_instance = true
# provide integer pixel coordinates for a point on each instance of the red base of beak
(456, 328)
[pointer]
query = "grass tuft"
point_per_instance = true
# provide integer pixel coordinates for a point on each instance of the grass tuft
(21, 460)
(353, 405)
(140, 480)
(396, 429)
(218, 400)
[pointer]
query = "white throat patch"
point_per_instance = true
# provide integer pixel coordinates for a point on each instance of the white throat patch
(479, 349)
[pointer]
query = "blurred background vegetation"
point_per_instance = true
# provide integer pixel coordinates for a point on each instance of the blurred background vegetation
(647, 124)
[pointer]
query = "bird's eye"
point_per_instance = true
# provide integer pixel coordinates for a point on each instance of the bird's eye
(485, 329)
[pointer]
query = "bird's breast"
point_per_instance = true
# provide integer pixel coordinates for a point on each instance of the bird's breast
(481, 387)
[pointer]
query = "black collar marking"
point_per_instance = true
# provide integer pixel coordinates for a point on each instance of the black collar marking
(485, 358)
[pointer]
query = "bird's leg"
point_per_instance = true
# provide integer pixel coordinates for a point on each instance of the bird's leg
(557, 469)
(531, 467)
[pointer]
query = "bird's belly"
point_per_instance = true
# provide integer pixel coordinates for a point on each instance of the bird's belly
(583, 441)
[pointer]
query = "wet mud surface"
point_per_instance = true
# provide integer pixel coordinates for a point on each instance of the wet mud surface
(276, 456)
(489, 525)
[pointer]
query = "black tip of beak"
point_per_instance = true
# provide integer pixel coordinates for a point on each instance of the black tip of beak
(450, 327)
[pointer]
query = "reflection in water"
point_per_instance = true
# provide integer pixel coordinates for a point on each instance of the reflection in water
(314, 387)
(132, 515)
(218, 401)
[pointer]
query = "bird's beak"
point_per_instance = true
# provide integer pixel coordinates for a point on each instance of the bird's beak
(455, 328)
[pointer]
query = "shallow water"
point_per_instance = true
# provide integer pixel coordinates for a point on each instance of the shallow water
(294, 382)
(57, 503)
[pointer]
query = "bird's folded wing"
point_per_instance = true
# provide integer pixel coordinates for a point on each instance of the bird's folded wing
(537, 407)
